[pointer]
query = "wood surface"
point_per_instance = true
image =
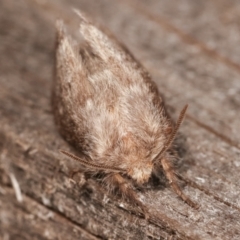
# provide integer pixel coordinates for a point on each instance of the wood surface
(191, 49)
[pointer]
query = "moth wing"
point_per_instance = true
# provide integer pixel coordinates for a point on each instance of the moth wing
(71, 77)
(109, 49)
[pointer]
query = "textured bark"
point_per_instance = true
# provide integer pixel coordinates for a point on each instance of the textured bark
(188, 49)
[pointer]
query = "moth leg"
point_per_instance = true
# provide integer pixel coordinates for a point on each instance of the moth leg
(171, 176)
(115, 181)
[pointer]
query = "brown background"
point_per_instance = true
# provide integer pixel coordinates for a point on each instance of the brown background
(191, 48)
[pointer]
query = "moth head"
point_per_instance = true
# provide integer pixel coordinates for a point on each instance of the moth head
(141, 174)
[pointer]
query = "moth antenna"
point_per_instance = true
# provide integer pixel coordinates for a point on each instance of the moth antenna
(179, 122)
(173, 135)
(92, 165)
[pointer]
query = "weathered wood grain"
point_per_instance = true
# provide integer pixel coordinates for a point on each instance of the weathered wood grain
(213, 24)
(53, 207)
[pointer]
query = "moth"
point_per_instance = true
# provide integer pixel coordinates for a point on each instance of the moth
(106, 105)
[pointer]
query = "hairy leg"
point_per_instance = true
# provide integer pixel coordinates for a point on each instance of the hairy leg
(171, 176)
(114, 181)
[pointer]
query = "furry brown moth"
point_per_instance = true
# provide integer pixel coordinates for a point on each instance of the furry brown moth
(106, 105)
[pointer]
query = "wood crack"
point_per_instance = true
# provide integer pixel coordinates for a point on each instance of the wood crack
(207, 192)
(213, 131)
